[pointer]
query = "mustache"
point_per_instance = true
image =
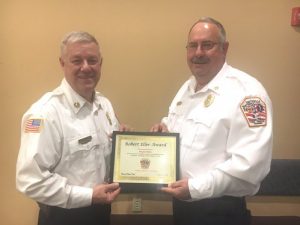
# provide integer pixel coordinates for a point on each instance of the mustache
(86, 75)
(200, 60)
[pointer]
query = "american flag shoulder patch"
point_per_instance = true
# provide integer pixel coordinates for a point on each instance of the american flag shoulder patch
(33, 125)
(255, 111)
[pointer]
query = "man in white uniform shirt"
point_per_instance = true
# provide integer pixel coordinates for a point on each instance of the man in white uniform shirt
(224, 117)
(63, 162)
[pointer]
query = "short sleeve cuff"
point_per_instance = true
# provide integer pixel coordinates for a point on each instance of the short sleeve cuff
(200, 187)
(80, 197)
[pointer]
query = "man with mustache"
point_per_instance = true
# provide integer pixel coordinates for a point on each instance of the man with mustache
(64, 157)
(224, 117)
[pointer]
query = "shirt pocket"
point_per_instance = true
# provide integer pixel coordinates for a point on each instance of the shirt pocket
(196, 129)
(175, 120)
(106, 147)
(204, 118)
(83, 145)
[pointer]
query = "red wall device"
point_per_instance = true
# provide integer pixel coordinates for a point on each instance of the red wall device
(295, 20)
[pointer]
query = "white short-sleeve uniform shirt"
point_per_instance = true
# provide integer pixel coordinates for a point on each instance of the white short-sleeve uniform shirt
(226, 134)
(65, 147)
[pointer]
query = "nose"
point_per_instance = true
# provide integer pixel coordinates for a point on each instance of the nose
(85, 66)
(199, 51)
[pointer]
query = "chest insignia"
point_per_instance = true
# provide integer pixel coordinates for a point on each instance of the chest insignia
(209, 100)
(255, 111)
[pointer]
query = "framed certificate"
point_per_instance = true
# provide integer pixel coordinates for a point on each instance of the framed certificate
(144, 161)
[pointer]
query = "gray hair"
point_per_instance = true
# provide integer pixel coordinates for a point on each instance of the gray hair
(77, 36)
(212, 21)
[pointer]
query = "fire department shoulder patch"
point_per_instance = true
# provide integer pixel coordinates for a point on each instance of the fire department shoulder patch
(255, 111)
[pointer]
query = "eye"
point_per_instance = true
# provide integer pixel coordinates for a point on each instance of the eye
(207, 45)
(92, 61)
(76, 61)
(192, 45)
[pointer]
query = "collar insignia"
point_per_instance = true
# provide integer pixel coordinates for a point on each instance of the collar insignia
(209, 100)
(76, 105)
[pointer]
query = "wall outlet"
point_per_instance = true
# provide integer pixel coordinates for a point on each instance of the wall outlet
(136, 205)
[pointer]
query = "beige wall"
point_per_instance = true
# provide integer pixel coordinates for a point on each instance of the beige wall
(144, 65)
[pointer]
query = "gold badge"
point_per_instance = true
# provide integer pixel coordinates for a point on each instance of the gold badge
(108, 118)
(209, 100)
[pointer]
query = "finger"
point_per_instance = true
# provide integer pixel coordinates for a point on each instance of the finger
(165, 130)
(111, 187)
(168, 190)
(113, 195)
(161, 127)
(157, 128)
(123, 127)
(175, 185)
(127, 128)
(154, 128)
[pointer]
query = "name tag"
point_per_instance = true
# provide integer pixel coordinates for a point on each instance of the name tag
(85, 140)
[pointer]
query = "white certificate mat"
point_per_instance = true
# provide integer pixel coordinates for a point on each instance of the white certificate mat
(144, 158)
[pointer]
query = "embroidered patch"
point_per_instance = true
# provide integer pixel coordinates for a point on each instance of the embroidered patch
(33, 125)
(255, 111)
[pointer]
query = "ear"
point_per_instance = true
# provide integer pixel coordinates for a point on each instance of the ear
(225, 47)
(101, 61)
(61, 61)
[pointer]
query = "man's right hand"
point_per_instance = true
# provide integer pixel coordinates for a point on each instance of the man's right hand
(105, 193)
(159, 127)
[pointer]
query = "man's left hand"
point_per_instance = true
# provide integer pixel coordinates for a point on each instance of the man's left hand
(125, 127)
(178, 189)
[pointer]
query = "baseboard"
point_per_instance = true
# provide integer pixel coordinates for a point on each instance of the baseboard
(129, 219)
(275, 220)
(118, 219)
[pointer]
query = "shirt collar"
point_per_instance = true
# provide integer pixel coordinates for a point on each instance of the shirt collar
(214, 85)
(75, 100)
(97, 101)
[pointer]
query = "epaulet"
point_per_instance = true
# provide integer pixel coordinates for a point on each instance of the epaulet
(45, 99)
(57, 91)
